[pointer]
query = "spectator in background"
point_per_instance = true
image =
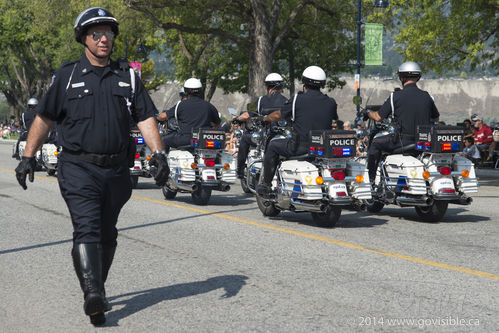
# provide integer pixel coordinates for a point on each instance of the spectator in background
(347, 126)
(483, 137)
(468, 129)
(470, 150)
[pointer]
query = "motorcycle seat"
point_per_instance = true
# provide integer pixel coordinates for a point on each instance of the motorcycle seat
(302, 157)
(406, 150)
(188, 148)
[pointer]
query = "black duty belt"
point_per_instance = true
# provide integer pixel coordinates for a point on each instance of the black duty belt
(103, 160)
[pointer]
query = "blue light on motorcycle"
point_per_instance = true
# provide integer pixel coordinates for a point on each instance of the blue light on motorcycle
(313, 151)
(139, 141)
(347, 151)
(454, 146)
(320, 151)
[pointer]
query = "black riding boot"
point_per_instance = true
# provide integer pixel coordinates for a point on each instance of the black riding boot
(107, 260)
(269, 168)
(87, 260)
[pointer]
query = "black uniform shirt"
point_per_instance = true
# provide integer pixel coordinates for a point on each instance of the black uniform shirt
(313, 111)
(194, 112)
(275, 100)
(91, 110)
(413, 107)
(28, 118)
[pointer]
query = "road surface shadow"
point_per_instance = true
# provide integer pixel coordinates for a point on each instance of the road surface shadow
(217, 199)
(358, 220)
(139, 300)
(453, 215)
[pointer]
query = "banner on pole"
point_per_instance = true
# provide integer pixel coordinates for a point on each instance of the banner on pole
(137, 67)
(374, 44)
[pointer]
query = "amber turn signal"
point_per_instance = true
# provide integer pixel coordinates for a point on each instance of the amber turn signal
(319, 180)
(465, 173)
(148, 157)
(194, 165)
(359, 179)
(426, 174)
(226, 166)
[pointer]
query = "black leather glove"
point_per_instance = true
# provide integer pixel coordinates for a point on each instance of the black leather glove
(364, 115)
(26, 166)
(158, 160)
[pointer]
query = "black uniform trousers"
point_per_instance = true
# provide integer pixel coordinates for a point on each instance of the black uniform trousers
(94, 196)
(376, 149)
(276, 148)
(175, 140)
(244, 147)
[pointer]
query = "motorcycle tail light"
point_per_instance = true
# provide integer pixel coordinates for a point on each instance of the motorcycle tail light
(445, 170)
(447, 191)
(137, 156)
(194, 166)
(446, 146)
(338, 151)
(359, 179)
(226, 166)
(319, 180)
(341, 194)
(427, 146)
(209, 162)
(426, 174)
(465, 173)
(337, 175)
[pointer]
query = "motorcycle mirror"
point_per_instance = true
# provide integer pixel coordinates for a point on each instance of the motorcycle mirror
(357, 100)
(282, 123)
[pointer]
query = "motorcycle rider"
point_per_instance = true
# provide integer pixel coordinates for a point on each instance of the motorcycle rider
(25, 123)
(191, 112)
(410, 107)
(273, 99)
(310, 110)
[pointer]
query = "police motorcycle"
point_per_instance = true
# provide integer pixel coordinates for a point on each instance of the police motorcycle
(38, 154)
(141, 156)
(322, 182)
(201, 167)
(427, 175)
(50, 154)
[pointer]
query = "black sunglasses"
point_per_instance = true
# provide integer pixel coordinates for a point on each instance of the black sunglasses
(97, 35)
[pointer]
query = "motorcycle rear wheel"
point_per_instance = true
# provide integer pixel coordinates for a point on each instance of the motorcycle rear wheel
(201, 196)
(168, 193)
(244, 186)
(327, 219)
(433, 213)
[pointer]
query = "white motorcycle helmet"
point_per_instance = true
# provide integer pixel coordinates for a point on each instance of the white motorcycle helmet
(314, 76)
(32, 102)
(274, 81)
(409, 69)
(193, 86)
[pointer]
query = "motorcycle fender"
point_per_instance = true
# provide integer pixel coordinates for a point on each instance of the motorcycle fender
(443, 183)
(411, 169)
(470, 183)
(301, 176)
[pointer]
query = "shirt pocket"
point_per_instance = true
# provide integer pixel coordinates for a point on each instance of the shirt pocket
(80, 103)
(122, 94)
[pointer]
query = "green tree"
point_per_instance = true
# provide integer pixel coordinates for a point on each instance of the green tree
(242, 38)
(446, 35)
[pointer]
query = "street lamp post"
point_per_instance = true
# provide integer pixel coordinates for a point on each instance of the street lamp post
(377, 4)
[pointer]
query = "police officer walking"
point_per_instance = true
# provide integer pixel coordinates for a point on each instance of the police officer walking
(26, 121)
(273, 99)
(311, 110)
(409, 108)
(190, 112)
(92, 100)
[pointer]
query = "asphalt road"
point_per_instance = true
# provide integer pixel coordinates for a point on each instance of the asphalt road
(226, 268)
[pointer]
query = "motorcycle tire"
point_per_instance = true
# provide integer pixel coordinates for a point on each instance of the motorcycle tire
(374, 206)
(201, 196)
(327, 219)
(244, 186)
(433, 213)
(168, 193)
(134, 180)
(266, 207)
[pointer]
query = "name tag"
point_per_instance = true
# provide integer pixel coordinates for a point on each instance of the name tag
(77, 85)
(123, 84)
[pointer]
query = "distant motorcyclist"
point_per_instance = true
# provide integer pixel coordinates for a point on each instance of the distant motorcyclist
(410, 107)
(273, 99)
(191, 112)
(310, 110)
(27, 119)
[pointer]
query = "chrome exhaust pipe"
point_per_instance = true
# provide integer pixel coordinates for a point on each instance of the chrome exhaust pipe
(186, 187)
(407, 201)
(463, 200)
(308, 207)
(225, 188)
